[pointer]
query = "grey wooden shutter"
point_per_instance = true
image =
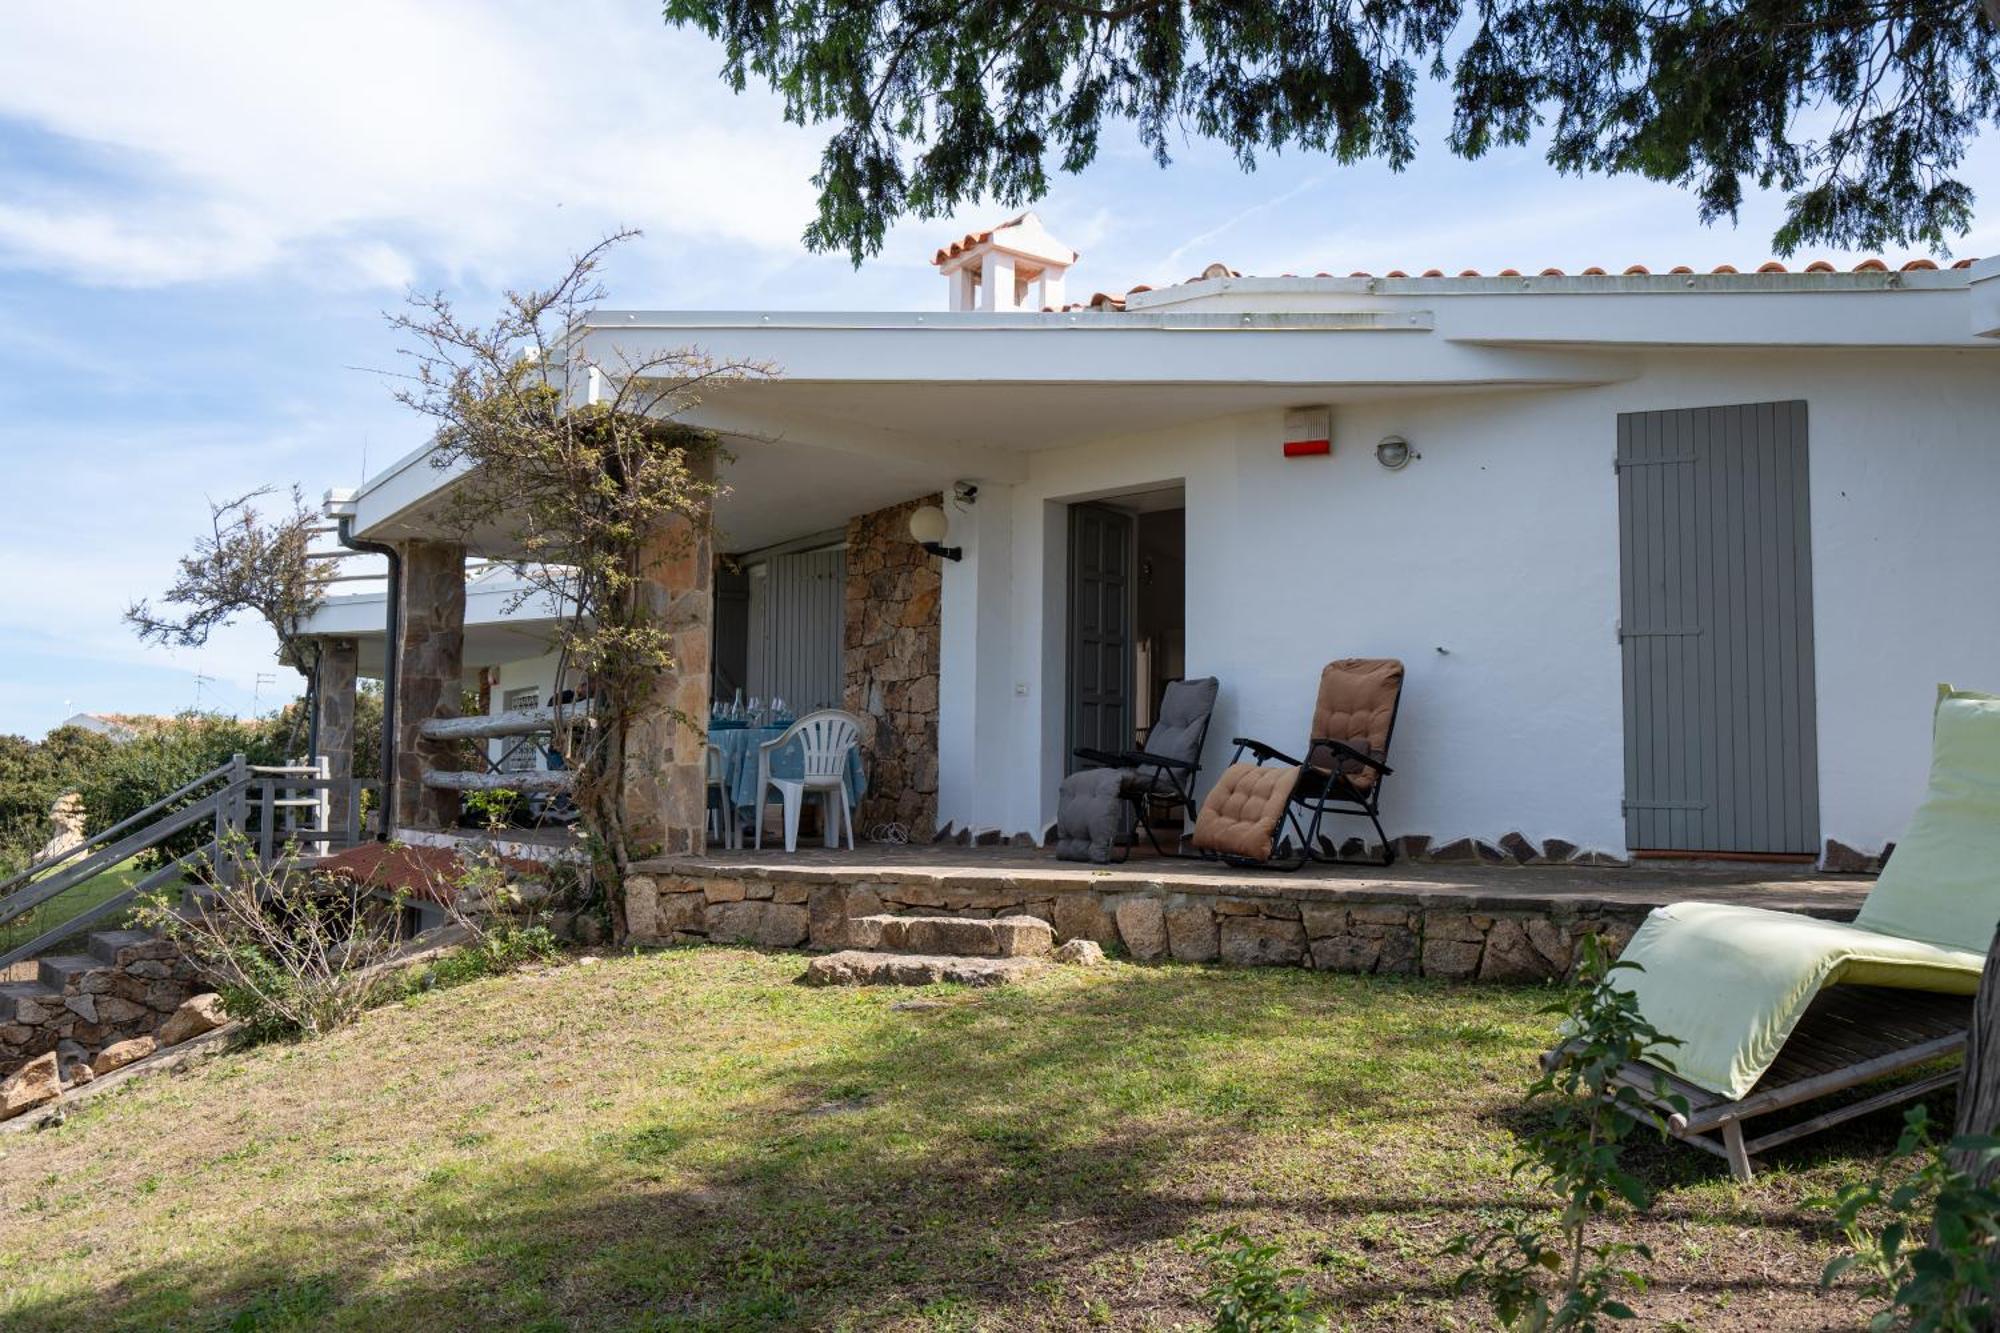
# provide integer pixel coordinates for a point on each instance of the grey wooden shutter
(1715, 560)
(798, 606)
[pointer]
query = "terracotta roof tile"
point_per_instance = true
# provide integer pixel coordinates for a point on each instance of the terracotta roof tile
(1110, 301)
(433, 873)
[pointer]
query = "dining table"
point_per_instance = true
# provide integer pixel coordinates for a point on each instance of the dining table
(739, 743)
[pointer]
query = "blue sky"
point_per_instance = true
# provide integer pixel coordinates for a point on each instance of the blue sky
(205, 209)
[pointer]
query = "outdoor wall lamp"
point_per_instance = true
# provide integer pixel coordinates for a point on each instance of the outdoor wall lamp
(1394, 453)
(928, 527)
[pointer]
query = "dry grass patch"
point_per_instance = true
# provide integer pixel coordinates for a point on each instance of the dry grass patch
(687, 1140)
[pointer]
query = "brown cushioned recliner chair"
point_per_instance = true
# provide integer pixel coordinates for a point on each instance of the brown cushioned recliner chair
(1244, 819)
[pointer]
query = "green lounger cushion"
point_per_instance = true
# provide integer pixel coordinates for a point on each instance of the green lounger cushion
(1732, 982)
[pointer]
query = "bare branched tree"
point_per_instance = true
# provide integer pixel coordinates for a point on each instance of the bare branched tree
(249, 563)
(585, 460)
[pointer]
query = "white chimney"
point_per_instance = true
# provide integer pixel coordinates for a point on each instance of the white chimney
(1014, 266)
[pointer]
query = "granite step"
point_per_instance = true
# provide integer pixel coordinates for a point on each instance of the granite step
(15, 993)
(859, 967)
(105, 944)
(955, 936)
(56, 970)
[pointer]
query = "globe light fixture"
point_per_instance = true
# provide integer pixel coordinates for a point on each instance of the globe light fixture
(928, 527)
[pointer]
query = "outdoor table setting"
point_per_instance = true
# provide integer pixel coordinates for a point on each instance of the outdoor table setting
(738, 732)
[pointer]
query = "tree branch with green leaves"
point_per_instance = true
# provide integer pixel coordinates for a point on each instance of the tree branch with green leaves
(1859, 111)
(582, 459)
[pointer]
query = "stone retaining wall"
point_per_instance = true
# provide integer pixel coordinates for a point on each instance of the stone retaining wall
(128, 997)
(1413, 933)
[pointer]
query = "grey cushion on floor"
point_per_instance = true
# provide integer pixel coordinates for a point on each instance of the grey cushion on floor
(1089, 814)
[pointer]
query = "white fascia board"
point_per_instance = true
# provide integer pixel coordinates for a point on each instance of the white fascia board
(362, 615)
(1920, 308)
(1986, 298)
(404, 484)
(1369, 348)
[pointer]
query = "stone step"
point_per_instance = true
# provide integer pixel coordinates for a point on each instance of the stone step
(858, 967)
(15, 993)
(56, 970)
(959, 936)
(105, 944)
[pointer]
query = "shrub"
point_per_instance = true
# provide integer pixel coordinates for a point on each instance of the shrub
(1949, 1284)
(292, 951)
(1248, 1291)
(500, 947)
(1574, 1154)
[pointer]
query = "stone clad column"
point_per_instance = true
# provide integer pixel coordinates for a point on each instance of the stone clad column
(890, 662)
(429, 677)
(666, 743)
(333, 702)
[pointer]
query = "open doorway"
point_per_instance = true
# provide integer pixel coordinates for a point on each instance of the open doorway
(1127, 615)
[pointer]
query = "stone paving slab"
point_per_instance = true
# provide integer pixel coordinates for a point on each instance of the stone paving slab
(1461, 888)
(964, 937)
(856, 967)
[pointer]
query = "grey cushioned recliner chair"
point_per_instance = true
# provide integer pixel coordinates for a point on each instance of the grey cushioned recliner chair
(1095, 804)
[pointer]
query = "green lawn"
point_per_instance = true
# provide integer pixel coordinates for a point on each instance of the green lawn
(688, 1140)
(72, 902)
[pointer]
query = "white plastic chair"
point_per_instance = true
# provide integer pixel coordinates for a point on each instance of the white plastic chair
(721, 812)
(825, 737)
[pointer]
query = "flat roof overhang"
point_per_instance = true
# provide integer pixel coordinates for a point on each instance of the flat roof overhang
(870, 410)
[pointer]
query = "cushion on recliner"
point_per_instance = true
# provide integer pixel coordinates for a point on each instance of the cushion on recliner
(1240, 816)
(1184, 710)
(1356, 705)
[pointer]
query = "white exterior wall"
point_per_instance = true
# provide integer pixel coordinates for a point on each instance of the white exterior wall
(538, 673)
(1500, 547)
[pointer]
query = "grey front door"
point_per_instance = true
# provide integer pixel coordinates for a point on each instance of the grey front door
(1716, 627)
(1100, 629)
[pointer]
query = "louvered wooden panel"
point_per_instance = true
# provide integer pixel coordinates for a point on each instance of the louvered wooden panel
(797, 627)
(1715, 559)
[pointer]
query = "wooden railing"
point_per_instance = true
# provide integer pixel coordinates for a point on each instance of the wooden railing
(273, 809)
(495, 726)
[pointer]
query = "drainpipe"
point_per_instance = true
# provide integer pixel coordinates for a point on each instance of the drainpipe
(390, 652)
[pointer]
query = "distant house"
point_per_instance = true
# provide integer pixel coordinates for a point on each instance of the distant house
(1674, 559)
(120, 727)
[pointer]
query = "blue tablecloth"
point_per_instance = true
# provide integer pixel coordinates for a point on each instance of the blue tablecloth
(739, 763)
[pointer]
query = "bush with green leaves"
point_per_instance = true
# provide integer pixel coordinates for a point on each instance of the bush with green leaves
(32, 775)
(1926, 1244)
(293, 950)
(1541, 1278)
(501, 946)
(1249, 1290)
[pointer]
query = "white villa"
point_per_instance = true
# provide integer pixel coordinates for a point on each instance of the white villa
(1674, 560)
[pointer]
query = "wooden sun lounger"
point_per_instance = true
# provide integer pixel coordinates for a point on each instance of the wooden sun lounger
(1850, 1035)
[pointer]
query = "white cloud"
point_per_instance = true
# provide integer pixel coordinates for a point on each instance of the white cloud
(356, 142)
